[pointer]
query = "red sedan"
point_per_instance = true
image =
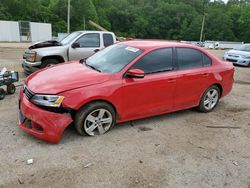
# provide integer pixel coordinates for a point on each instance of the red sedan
(126, 81)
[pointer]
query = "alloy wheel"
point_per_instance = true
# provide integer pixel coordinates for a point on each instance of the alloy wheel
(98, 122)
(211, 99)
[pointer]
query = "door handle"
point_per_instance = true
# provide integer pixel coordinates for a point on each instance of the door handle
(205, 75)
(96, 50)
(171, 80)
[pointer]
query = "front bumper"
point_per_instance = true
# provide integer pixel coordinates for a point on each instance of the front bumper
(48, 126)
(30, 67)
(237, 60)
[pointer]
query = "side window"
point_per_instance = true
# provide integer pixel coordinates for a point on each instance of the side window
(206, 61)
(89, 40)
(189, 58)
(157, 61)
(108, 39)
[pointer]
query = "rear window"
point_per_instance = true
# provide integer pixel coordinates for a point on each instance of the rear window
(108, 39)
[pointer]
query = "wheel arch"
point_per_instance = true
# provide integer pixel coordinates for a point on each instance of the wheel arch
(219, 86)
(57, 57)
(215, 84)
(100, 100)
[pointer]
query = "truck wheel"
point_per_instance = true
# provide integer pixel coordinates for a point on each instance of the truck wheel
(2, 93)
(11, 89)
(49, 62)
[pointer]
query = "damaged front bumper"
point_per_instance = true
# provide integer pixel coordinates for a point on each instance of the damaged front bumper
(46, 125)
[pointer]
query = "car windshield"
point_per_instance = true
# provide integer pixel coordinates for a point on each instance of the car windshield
(245, 47)
(68, 39)
(113, 59)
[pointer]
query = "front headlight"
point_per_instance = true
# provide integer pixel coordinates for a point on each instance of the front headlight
(47, 100)
(31, 56)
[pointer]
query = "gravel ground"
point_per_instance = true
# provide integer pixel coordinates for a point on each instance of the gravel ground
(173, 150)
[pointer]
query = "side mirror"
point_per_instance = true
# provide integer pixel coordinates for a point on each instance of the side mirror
(135, 73)
(75, 45)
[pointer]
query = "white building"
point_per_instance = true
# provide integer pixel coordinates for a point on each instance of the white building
(11, 31)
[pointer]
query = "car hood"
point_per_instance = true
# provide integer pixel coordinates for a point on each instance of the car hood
(44, 44)
(63, 77)
(238, 52)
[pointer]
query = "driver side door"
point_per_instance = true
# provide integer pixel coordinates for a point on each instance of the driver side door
(89, 43)
(154, 93)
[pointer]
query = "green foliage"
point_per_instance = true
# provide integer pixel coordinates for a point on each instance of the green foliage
(162, 19)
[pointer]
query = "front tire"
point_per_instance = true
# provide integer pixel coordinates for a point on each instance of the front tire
(96, 118)
(11, 89)
(209, 99)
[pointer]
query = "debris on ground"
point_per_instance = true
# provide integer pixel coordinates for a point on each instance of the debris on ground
(195, 145)
(235, 163)
(145, 129)
(30, 161)
(88, 165)
(223, 127)
(20, 181)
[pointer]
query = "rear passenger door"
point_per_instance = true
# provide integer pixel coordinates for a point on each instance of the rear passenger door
(195, 76)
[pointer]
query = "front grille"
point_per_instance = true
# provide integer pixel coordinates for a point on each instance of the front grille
(28, 94)
(233, 55)
(232, 60)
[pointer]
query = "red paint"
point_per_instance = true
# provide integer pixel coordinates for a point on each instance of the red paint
(53, 124)
(133, 98)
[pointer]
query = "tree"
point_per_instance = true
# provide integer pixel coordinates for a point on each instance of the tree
(161, 19)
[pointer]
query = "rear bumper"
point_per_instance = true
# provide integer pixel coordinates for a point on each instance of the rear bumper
(30, 67)
(42, 124)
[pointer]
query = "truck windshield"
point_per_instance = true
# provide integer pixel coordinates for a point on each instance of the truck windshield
(113, 59)
(69, 38)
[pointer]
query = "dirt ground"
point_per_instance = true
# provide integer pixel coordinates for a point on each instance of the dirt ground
(173, 150)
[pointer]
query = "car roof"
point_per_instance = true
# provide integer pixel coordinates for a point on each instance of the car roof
(153, 44)
(88, 31)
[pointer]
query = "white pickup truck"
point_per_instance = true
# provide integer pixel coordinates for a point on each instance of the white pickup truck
(78, 45)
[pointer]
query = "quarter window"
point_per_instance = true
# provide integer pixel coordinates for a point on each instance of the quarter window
(157, 61)
(189, 58)
(108, 39)
(206, 61)
(89, 40)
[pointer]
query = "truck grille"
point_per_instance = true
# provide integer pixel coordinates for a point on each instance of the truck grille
(28, 94)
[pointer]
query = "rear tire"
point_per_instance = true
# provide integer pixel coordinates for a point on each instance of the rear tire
(49, 62)
(11, 89)
(2, 94)
(95, 119)
(209, 99)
